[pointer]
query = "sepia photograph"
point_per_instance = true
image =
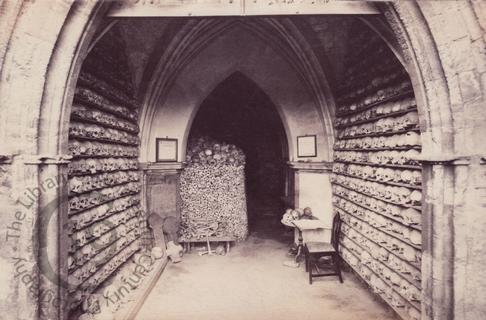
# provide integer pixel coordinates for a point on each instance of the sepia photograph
(242, 159)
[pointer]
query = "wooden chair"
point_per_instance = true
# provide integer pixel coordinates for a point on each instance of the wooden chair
(315, 250)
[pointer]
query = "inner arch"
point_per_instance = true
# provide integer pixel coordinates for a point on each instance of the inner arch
(237, 111)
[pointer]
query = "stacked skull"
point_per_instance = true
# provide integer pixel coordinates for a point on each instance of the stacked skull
(213, 191)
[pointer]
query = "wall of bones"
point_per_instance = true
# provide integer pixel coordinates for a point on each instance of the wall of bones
(376, 181)
(105, 217)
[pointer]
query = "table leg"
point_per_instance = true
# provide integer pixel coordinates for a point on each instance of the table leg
(228, 246)
(300, 248)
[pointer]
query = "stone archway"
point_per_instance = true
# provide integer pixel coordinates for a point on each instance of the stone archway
(449, 80)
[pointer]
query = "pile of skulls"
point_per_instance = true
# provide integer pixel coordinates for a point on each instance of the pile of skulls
(87, 96)
(353, 74)
(374, 97)
(93, 131)
(95, 198)
(291, 215)
(205, 151)
(213, 191)
(383, 125)
(400, 227)
(124, 207)
(117, 292)
(380, 174)
(379, 243)
(392, 157)
(84, 280)
(409, 139)
(92, 166)
(387, 108)
(394, 195)
(103, 118)
(98, 149)
(82, 184)
(90, 81)
(378, 81)
(399, 291)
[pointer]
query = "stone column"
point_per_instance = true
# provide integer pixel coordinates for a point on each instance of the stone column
(454, 238)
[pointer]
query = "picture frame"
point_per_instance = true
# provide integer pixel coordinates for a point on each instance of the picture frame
(166, 149)
(307, 146)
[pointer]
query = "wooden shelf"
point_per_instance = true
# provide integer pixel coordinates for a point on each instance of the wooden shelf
(75, 118)
(101, 203)
(97, 156)
(90, 290)
(393, 166)
(71, 195)
(106, 216)
(374, 104)
(378, 117)
(106, 245)
(386, 215)
(388, 183)
(378, 198)
(98, 172)
(386, 281)
(103, 140)
(391, 234)
(399, 311)
(402, 148)
(378, 134)
(79, 98)
(410, 279)
(369, 88)
(92, 82)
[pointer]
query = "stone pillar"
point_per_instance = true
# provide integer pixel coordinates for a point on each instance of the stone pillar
(33, 248)
(160, 194)
(454, 238)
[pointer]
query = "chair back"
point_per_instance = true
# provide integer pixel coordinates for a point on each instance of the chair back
(336, 230)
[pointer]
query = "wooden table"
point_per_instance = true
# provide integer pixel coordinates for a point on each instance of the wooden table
(305, 225)
(188, 242)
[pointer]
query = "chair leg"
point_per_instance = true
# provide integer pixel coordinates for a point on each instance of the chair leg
(306, 260)
(310, 271)
(337, 265)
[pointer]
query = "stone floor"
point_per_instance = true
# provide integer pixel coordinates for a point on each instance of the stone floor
(252, 283)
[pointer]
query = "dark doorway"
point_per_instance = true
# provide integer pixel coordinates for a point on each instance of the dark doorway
(240, 113)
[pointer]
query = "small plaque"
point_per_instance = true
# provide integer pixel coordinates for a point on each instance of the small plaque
(306, 146)
(165, 150)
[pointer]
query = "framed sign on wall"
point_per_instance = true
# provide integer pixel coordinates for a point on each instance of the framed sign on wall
(165, 150)
(306, 146)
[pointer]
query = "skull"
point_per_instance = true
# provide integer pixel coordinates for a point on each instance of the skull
(414, 314)
(91, 304)
(388, 174)
(92, 165)
(383, 254)
(409, 253)
(415, 237)
(395, 278)
(79, 238)
(411, 119)
(403, 195)
(397, 300)
(406, 176)
(416, 177)
(74, 203)
(411, 139)
(411, 216)
(416, 197)
(377, 284)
